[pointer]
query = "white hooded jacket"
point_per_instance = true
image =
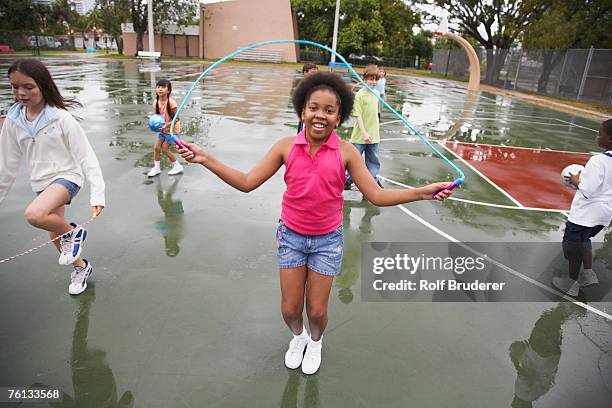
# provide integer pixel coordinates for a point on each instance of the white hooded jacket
(55, 148)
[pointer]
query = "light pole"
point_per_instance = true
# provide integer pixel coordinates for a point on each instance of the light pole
(150, 18)
(335, 36)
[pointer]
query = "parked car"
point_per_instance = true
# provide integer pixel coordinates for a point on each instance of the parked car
(45, 41)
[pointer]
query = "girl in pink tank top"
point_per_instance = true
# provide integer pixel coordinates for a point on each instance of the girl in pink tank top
(309, 234)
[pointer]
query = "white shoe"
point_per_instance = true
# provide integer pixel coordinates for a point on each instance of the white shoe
(312, 357)
(176, 169)
(78, 278)
(295, 353)
(587, 278)
(566, 285)
(154, 172)
(71, 245)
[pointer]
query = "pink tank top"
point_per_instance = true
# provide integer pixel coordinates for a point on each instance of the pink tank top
(312, 203)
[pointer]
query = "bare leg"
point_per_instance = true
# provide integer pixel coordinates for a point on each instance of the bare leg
(587, 260)
(41, 211)
(47, 212)
(293, 282)
(157, 150)
(318, 288)
(168, 153)
(60, 212)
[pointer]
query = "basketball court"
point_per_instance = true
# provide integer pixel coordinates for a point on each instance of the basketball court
(183, 308)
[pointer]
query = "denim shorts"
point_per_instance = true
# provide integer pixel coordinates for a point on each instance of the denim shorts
(165, 137)
(321, 253)
(72, 188)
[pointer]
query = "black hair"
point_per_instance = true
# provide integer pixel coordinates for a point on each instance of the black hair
(324, 80)
(41, 75)
(166, 84)
(607, 127)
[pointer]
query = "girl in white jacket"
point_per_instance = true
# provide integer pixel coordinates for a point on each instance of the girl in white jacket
(59, 158)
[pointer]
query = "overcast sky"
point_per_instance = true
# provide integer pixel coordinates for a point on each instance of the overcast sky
(434, 10)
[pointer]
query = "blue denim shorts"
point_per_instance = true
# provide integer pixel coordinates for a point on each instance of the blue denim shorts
(321, 253)
(72, 188)
(165, 137)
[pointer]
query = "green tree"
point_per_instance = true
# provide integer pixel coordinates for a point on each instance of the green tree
(82, 25)
(422, 47)
(362, 26)
(558, 25)
(62, 17)
(315, 19)
(398, 20)
(165, 12)
(113, 13)
(382, 27)
(24, 15)
(496, 25)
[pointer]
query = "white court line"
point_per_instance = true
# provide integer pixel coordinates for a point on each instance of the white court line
(185, 76)
(573, 124)
(516, 120)
(463, 200)
(501, 190)
(504, 267)
(391, 121)
(117, 90)
(509, 114)
(518, 147)
(403, 139)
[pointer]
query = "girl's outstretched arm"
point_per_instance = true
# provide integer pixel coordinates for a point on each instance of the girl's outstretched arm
(387, 197)
(244, 182)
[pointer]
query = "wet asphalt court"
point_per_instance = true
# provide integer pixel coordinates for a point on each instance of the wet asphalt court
(183, 307)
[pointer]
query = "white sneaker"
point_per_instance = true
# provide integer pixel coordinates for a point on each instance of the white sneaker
(566, 285)
(295, 353)
(176, 169)
(71, 245)
(587, 278)
(154, 171)
(78, 278)
(312, 357)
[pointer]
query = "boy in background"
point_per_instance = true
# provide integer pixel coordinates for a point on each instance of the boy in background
(366, 135)
(308, 69)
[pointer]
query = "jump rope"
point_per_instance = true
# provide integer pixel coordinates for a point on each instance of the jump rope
(180, 143)
(11, 258)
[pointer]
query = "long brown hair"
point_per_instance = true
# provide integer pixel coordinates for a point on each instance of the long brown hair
(166, 84)
(41, 75)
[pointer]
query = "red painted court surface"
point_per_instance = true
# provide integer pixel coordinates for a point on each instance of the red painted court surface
(530, 176)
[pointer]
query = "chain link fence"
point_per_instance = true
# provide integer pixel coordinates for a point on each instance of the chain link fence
(323, 57)
(578, 74)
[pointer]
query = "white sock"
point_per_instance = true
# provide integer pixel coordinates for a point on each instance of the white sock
(587, 270)
(156, 164)
(304, 333)
(176, 163)
(315, 344)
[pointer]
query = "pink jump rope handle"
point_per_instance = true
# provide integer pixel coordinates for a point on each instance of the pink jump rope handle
(454, 185)
(178, 142)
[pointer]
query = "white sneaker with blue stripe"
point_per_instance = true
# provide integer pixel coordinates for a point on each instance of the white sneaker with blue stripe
(78, 278)
(71, 245)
